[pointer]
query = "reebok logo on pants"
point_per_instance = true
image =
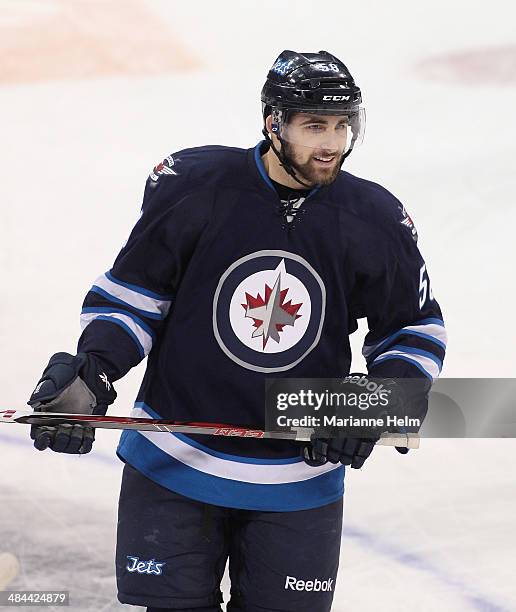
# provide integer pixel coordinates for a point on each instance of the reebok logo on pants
(294, 584)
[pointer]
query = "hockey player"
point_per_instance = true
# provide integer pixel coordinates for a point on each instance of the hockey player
(246, 265)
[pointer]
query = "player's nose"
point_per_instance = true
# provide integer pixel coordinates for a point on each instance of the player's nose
(333, 141)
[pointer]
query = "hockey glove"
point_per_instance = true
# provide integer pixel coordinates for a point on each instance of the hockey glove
(348, 451)
(407, 398)
(75, 385)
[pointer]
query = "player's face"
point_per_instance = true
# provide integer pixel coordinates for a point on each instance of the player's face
(314, 144)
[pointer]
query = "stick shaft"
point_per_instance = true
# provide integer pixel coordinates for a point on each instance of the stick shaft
(164, 425)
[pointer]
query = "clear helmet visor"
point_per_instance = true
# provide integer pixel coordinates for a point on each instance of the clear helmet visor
(320, 129)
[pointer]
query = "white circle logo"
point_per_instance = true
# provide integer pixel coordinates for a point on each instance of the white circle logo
(268, 310)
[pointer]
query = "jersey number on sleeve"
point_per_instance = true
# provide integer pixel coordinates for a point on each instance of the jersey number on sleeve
(425, 290)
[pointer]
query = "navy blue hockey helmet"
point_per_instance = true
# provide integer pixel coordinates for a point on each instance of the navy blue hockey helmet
(310, 80)
(315, 83)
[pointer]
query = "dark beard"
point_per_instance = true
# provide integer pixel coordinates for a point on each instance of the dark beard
(306, 172)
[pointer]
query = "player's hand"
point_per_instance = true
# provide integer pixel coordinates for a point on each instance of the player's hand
(75, 385)
(409, 398)
(348, 451)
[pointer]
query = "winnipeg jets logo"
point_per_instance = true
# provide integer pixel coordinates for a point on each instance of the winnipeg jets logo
(164, 167)
(282, 66)
(103, 377)
(145, 567)
(270, 315)
(268, 310)
(408, 223)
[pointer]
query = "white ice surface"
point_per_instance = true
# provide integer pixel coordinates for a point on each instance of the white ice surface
(433, 530)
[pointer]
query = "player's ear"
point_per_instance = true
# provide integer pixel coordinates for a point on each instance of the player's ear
(268, 124)
(272, 135)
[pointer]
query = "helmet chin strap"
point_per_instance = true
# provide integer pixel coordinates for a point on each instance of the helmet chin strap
(285, 164)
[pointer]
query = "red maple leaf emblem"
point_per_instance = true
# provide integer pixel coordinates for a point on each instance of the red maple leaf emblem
(259, 301)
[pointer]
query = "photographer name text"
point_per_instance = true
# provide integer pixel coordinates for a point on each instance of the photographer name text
(333, 421)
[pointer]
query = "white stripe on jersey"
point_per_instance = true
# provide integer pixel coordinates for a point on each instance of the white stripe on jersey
(143, 337)
(256, 473)
(427, 364)
(133, 298)
(429, 329)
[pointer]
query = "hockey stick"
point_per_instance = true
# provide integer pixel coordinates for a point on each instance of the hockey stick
(405, 440)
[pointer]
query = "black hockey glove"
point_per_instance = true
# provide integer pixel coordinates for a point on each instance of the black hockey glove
(408, 398)
(348, 451)
(75, 385)
(405, 398)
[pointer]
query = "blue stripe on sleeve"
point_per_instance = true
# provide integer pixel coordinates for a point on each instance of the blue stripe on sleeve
(108, 309)
(111, 298)
(402, 358)
(416, 351)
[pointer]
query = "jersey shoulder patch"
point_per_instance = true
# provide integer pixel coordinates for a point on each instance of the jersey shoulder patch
(164, 167)
(200, 163)
(406, 221)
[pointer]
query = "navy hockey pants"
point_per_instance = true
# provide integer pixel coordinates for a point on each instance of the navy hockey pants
(172, 551)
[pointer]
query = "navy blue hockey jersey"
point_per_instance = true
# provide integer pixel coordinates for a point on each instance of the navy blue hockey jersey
(220, 292)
